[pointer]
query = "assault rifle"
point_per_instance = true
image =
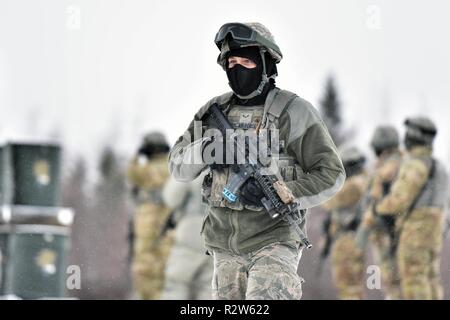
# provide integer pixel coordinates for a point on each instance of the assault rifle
(278, 200)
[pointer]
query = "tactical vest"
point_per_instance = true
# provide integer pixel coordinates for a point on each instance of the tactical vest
(249, 118)
(148, 178)
(145, 196)
(386, 172)
(387, 222)
(348, 218)
(435, 190)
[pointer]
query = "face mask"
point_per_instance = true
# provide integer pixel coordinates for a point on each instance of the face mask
(410, 143)
(378, 151)
(244, 81)
(352, 169)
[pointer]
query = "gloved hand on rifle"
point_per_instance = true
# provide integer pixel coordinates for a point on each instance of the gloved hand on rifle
(213, 153)
(251, 193)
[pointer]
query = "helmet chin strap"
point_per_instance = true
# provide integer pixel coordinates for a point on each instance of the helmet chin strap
(263, 82)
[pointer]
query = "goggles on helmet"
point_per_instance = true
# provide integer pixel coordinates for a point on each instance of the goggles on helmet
(242, 32)
(238, 31)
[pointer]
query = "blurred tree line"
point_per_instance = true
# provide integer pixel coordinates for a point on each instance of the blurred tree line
(100, 230)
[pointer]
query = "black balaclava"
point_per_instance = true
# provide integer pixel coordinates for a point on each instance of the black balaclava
(354, 167)
(411, 141)
(243, 81)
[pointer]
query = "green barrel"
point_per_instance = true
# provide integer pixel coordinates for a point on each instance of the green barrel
(36, 261)
(32, 174)
(35, 243)
(2, 170)
(4, 236)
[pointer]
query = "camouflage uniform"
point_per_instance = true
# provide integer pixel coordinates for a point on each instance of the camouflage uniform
(147, 176)
(418, 197)
(385, 143)
(256, 256)
(267, 273)
(189, 270)
(347, 261)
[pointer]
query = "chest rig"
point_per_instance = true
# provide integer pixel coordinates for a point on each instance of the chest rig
(348, 218)
(249, 120)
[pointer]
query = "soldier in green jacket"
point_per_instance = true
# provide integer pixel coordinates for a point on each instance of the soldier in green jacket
(256, 256)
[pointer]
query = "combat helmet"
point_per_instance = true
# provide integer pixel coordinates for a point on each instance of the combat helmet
(155, 138)
(353, 160)
(419, 131)
(154, 142)
(247, 35)
(384, 138)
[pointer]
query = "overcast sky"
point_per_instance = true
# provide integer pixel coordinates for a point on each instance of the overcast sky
(89, 71)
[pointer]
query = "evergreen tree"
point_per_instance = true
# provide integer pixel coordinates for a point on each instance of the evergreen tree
(112, 176)
(330, 109)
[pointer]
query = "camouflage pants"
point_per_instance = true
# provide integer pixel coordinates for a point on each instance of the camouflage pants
(419, 255)
(150, 255)
(347, 265)
(269, 273)
(387, 262)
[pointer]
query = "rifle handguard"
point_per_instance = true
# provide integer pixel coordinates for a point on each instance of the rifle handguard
(283, 192)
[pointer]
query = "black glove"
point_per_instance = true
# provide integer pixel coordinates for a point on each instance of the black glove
(209, 148)
(251, 193)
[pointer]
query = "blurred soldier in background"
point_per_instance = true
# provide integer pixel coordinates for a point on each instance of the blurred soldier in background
(189, 270)
(418, 197)
(147, 174)
(346, 258)
(385, 144)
